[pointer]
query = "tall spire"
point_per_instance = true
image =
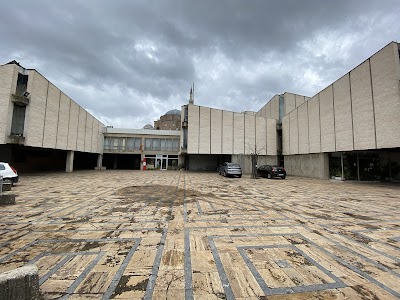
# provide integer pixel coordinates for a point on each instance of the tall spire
(191, 99)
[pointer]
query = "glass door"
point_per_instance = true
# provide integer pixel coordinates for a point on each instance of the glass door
(164, 163)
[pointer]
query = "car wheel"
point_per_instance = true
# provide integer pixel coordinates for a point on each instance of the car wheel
(269, 176)
(8, 180)
(240, 176)
(283, 177)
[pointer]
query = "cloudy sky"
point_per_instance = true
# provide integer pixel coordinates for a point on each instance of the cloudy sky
(128, 62)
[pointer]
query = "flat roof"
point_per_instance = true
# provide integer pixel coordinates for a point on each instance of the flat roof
(142, 131)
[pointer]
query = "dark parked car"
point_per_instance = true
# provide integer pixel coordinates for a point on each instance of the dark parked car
(271, 171)
(230, 169)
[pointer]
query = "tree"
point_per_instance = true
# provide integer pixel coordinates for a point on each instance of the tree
(254, 153)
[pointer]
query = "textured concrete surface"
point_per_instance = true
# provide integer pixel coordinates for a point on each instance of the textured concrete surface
(308, 165)
(7, 199)
(20, 284)
(178, 235)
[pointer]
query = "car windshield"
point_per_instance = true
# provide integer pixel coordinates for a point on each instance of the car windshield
(233, 165)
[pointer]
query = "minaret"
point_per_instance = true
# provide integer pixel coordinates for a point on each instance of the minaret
(191, 99)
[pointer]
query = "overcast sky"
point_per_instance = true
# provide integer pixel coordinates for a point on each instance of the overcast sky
(128, 62)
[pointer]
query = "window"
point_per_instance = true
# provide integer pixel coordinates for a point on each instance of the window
(114, 144)
(2, 167)
(156, 144)
(138, 142)
(148, 144)
(107, 143)
(185, 137)
(18, 120)
(175, 145)
(22, 84)
(162, 144)
(281, 107)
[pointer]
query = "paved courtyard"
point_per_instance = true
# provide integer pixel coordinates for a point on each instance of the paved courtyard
(179, 235)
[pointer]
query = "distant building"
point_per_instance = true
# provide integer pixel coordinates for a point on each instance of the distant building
(126, 148)
(148, 126)
(170, 121)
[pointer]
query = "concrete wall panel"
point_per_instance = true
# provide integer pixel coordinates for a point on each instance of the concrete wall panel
(261, 112)
(363, 111)
(285, 135)
(314, 128)
(250, 134)
(386, 95)
(299, 100)
(272, 145)
(81, 130)
(327, 120)
(227, 132)
(216, 131)
(193, 129)
(290, 102)
(51, 117)
(205, 130)
(267, 160)
(7, 75)
(73, 126)
(343, 114)
(37, 109)
(261, 135)
(95, 136)
(63, 122)
(274, 108)
(100, 139)
(268, 109)
(308, 165)
(304, 145)
(294, 132)
(88, 133)
(238, 133)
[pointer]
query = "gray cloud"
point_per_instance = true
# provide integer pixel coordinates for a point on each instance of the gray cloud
(128, 62)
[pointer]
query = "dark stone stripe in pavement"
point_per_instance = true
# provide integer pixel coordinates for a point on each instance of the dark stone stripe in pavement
(120, 271)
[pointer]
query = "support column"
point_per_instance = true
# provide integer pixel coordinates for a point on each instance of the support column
(69, 167)
(99, 161)
(141, 161)
(341, 162)
(115, 161)
(324, 165)
(142, 153)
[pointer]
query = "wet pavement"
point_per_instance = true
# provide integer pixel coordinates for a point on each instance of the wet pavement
(181, 235)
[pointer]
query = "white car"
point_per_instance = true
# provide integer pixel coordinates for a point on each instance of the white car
(9, 173)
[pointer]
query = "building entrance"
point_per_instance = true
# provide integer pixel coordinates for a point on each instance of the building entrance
(162, 162)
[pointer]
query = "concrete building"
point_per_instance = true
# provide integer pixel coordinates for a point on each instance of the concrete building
(41, 128)
(211, 136)
(349, 130)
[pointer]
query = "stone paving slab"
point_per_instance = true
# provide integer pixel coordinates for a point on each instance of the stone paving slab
(183, 235)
